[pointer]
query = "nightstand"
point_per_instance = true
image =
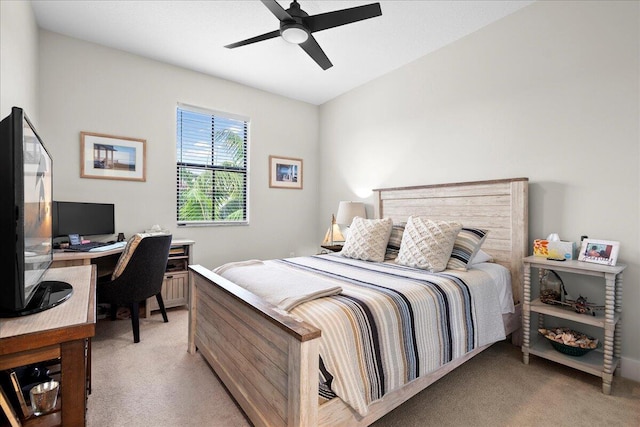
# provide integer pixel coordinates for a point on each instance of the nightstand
(601, 363)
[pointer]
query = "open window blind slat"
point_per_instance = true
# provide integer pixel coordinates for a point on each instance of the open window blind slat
(211, 168)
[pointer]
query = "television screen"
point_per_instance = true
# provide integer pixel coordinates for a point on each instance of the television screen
(85, 219)
(26, 185)
(36, 211)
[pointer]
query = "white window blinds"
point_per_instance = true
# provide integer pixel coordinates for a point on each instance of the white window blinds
(212, 176)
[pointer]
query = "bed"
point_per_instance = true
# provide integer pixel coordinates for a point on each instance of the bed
(269, 359)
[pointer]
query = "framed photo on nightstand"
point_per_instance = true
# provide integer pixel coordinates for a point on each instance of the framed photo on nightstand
(599, 251)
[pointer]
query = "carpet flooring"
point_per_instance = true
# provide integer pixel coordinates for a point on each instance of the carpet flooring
(157, 383)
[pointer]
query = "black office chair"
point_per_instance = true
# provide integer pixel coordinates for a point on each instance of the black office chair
(138, 276)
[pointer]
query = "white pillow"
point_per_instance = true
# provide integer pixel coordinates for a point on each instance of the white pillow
(367, 239)
(427, 244)
(481, 256)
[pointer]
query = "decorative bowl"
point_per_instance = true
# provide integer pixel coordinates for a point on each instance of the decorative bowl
(569, 342)
(43, 397)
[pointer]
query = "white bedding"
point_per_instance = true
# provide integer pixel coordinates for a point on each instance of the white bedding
(278, 285)
(502, 280)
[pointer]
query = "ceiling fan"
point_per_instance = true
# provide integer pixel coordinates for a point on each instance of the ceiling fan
(296, 26)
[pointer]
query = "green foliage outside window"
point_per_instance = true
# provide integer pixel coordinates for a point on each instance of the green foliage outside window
(211, 171)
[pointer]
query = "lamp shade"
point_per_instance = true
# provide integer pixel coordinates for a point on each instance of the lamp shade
(349, 210)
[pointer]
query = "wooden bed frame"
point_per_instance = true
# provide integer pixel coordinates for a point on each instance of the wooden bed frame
(269, 361)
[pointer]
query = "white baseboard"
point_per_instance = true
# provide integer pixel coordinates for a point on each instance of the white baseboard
(630, 368)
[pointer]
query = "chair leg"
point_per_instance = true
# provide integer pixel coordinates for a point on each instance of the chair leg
(161, 305)
(135, 321)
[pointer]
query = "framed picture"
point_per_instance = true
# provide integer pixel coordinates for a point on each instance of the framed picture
(599, 251)
(285, 172)
(112, 157)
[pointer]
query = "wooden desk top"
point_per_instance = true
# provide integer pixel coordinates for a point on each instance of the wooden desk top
(67, 321)
(60, 255)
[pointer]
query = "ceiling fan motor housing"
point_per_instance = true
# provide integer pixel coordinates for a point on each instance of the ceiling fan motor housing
(294, 30)
(295, 10)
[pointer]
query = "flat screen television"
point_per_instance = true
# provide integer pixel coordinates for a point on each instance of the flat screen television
(26, 185)
(84, 219)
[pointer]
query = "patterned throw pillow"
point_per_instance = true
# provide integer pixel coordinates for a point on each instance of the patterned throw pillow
(393, 246)
(427, 244)
(467, 244)
(367, 239)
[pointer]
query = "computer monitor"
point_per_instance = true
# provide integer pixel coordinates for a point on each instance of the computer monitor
(85, 219)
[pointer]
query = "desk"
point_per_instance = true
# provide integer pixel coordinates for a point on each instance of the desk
(60, 332)
(175, 288)
(105, 261)
(72, 258)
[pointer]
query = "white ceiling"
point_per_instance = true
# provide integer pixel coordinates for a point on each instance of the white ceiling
(192, 34)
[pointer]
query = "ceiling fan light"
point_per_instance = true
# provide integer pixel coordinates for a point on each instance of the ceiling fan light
(295, 34)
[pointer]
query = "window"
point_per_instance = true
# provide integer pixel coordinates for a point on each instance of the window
(212, 175)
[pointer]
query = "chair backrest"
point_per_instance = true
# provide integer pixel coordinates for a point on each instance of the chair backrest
(128, 250)
(143, 264)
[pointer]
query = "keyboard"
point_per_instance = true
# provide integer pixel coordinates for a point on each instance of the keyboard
(108, 247)
(86, 247)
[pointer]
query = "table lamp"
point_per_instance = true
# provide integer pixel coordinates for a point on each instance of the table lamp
(346, 212)
(349, 210)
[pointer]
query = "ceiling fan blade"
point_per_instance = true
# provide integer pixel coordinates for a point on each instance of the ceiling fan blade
(314, 50)
(255, 39)
(336, 18)
(277, 10)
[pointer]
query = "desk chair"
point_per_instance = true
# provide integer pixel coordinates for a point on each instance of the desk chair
(138, 275)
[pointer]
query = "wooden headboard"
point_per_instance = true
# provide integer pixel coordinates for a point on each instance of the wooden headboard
(499, 206)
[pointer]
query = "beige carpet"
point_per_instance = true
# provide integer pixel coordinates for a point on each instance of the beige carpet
(154, 382)
(157, 383)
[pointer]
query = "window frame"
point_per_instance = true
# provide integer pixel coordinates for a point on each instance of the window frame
(180, 165)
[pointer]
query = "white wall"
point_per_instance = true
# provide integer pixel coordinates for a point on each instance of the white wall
(550, 93)
(18, 59)
(86, 87)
